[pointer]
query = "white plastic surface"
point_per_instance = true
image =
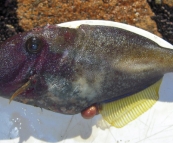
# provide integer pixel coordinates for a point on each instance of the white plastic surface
(24, 123)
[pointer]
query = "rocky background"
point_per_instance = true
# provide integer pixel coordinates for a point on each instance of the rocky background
(155, 16)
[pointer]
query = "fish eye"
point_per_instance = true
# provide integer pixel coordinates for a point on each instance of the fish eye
(33, 45)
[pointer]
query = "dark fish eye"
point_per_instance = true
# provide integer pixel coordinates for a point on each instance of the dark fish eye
(33, 45)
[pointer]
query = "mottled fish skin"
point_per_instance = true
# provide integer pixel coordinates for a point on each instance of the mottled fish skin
(76, 68)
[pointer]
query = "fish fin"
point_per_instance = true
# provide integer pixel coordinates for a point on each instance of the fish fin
(120, 112)
(20, 90)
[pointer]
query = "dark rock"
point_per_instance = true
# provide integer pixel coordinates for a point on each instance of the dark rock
(8, 19)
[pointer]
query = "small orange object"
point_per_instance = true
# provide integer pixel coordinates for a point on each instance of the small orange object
(89, 112)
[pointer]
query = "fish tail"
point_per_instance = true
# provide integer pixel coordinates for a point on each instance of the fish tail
(120, 112)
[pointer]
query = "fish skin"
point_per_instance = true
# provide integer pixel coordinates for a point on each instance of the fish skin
(76, 68)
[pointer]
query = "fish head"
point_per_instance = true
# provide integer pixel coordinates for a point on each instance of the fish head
(28, 57)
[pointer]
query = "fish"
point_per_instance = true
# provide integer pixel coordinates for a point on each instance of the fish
(66, 70)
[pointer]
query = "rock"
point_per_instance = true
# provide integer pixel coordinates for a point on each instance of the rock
(164, 19)
(168, 2)
(33, 13)
(8, 19)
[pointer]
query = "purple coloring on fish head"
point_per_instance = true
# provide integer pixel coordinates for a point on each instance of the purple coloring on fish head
(32, 53)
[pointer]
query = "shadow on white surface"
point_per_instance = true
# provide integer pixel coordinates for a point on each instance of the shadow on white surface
(24, 121)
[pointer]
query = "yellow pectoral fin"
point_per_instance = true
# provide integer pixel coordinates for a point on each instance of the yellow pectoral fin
(120, 112)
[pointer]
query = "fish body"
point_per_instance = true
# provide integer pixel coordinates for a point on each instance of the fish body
(68, 69)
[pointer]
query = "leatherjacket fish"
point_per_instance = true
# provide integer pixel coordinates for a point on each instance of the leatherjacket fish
(66, 70)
